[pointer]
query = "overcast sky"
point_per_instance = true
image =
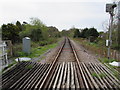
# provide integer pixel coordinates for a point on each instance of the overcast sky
(62, 14)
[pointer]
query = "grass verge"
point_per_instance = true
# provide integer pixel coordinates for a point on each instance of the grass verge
(35, 52)
(106, 60)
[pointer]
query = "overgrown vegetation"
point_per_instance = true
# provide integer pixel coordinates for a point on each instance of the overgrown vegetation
(88, 33)
(36, 50)
(106, 60)
(115, 70)
(40, 35)
(29, 66)
(101, 75)
(36, 30)
(92, 35)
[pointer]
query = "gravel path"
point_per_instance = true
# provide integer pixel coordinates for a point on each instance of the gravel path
(50, 55)
(67, 55)
(84, 55)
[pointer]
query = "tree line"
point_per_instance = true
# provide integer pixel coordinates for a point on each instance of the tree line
(88, 33)
(39, 32)
(36, 30)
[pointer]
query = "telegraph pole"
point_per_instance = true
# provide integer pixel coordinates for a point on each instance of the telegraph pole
(119, 25)
(110, 10)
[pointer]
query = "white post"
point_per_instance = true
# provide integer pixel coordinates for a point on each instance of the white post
(4, 53)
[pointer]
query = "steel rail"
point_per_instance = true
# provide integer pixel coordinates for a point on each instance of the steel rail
(41, 86)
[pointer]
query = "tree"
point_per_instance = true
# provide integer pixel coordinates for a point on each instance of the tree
(36, 35)
(71, 31)
(76, 33)
(36, 23)
(26, 32)
(18, 24)
(92, 32)
(83, 33)
(36, 30)
(53, 32)
(10, 32)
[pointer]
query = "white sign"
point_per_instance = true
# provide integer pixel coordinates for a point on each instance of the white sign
(107, 42)
(119, 9)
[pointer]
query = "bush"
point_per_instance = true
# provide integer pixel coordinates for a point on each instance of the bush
(48, 41)
(76, 33)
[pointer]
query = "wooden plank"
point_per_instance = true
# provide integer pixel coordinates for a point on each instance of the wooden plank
(109, 78)
(61, 76)
(49, 83)
(102, 84)
(87, 78)
(77, 85)
(68, 77)
(34, 76)
(80, 77)
(22, 80)
(93, 81)
(64, 77)
(105, 81)
(72, 77)
(57, 77)
(42, 75)
(83, 75)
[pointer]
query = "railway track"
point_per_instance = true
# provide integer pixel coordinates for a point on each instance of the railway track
(63, 73)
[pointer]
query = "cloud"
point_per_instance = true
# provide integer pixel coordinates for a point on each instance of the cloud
(57, 1)
(60, 14)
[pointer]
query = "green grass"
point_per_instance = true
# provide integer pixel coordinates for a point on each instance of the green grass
(94, 75)
(98, 75)
(106, 60)
(17, 49)
(113, 69)
(43, 57)
(29, 67)
(102, 75)
(35, 52)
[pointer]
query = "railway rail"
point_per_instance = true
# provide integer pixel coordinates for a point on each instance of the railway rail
(62, 73)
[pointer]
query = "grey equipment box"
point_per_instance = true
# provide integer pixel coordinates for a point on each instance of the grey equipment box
(26, 45)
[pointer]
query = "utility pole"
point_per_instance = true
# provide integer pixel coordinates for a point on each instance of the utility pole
(119, 25)
(110, 10)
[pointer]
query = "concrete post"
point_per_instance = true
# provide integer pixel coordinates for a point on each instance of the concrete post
(26, 45)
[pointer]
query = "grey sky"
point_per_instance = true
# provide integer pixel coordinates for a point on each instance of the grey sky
(63, 14)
